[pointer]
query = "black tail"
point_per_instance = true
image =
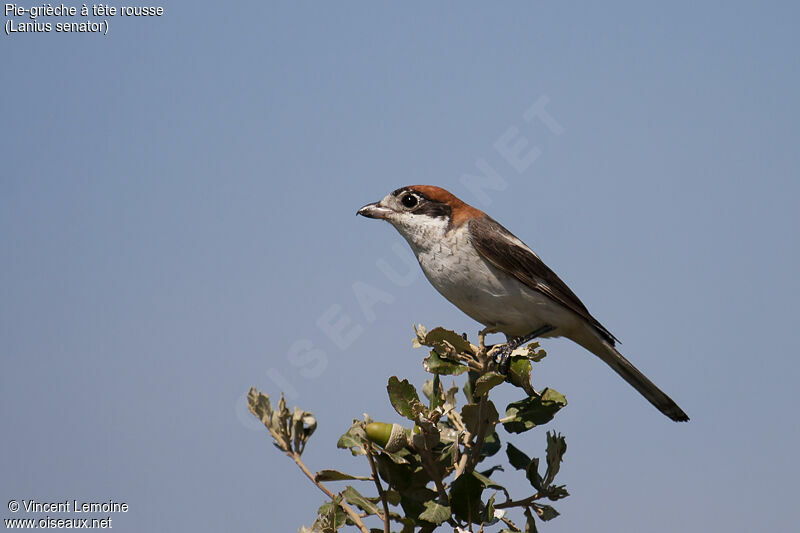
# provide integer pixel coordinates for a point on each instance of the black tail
(605, 351)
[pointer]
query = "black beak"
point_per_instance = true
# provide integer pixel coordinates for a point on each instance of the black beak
(373, 211)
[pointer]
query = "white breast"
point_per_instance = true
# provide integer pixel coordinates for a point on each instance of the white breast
(482, 291)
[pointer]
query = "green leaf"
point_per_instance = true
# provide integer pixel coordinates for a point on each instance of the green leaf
(465, 497)
(488, 483)
(402, 475)
(531, 351)
(532, 473)
(489, 471)
(556, 448)
(469, 386)
(470, 414)
(395, 457)
(409, 525)
(545, 512)
(538, 356)
(552, 395)
(486, 382)
(450, 395)
(392, 496)
(437, 336)
(404, 398)
(519, 374)
(335, 475)
(437, 398)
(491, 444)
(516, 457)
(533, 411)
(473, 415)
(355, 498)
(435, 364)
(443, 455)
(435, 513)
(331, 516)
(556, 492)
(427, 388)
(488, 512)
(413, 500)
(354, 439)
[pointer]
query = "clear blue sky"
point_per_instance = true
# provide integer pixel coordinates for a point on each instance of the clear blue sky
(177, 208)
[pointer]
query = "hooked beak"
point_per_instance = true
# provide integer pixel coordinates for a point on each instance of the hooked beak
(374, 211)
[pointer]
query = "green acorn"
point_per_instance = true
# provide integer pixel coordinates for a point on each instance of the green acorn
(391, 437)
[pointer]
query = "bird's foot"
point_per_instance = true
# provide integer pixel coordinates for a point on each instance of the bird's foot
(504, 357)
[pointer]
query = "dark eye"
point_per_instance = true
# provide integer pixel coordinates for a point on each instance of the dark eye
(409, 201)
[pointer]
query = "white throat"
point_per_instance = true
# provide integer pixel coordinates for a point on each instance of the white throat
(421, 232)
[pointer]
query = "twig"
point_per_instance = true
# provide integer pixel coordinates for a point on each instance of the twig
(509, 523)
(480, 435)
(427, 462)
(455, 418)
(347, 509)
(475, 452)
(462, 462)
(482, 340)
(519, 503)
(380, 489)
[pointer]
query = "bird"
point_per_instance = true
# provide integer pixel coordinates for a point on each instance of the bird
(497, 280)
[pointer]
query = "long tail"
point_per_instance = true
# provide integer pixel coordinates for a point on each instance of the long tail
(606, 351)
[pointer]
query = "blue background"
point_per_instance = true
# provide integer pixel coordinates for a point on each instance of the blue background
(177, 206)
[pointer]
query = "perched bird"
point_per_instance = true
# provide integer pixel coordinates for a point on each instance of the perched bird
(493, 277)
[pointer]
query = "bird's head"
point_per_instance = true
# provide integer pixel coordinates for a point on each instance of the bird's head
(423, 214)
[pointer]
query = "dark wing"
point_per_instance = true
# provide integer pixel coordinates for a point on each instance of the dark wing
(502, 249)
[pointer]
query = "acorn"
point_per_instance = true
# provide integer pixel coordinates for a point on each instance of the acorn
(391, 437)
